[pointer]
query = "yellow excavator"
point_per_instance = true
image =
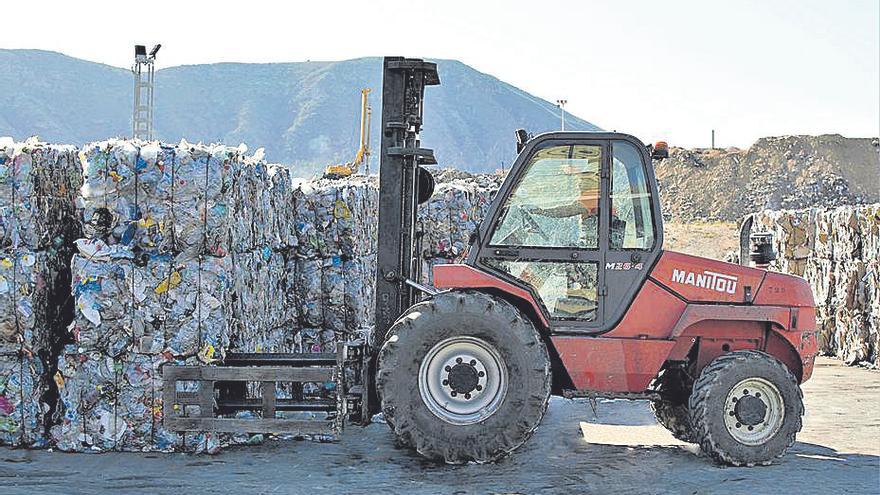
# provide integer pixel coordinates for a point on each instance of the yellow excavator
(341, 170)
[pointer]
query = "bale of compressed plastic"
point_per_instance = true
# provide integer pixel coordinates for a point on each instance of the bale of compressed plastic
(335, 218)
(159, 197)
(23, 290)
(250, 207)
(22, 411)
(135, 314)
(446, 217)
(333, 294)
(38, 184)
(259, 282)
(308, 295)
(359, 296)
(282, 230)
(158, 305)
(209, 252)
(115, 404)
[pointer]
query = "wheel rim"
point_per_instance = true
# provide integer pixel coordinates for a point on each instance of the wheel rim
(463, 380)
(754, 411)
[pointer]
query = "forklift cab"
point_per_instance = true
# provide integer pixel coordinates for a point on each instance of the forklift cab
(577, 224)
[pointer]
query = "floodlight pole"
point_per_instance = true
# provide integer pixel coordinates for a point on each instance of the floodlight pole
(561, 105)
(144, 76)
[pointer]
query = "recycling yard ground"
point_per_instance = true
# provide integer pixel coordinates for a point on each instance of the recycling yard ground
(838, 451)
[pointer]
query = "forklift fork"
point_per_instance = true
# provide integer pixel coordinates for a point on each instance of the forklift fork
(191, 402)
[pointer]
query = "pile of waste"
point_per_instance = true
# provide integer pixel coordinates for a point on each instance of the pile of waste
(838, 251)
(38, 184)
(191, 252)
(125, 256)
(784, 172)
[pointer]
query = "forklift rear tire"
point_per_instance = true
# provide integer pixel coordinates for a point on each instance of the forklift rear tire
(462, 377)
(746, 408)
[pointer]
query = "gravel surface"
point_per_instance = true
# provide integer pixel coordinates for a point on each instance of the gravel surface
(574, 451)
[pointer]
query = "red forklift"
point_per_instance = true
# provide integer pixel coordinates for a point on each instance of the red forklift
(566, 289)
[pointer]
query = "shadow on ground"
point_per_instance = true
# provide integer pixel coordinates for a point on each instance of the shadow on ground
(558, 459)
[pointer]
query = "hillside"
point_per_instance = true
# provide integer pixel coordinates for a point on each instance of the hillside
(303, 113)
(775, 172)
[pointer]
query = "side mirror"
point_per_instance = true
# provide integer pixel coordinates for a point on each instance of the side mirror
(761, 252)
(425, 185)
(522, 137)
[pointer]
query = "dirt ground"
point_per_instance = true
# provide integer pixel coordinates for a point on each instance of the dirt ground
(623, 451)
(707, 239)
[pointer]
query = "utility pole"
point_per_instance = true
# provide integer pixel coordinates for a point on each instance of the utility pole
(561, 105)
(142, 111)
(713, 139)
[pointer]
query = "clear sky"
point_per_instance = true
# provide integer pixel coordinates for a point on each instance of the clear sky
(669, 70)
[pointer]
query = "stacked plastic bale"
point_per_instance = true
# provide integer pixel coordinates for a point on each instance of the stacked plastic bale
(261, 237)
(452, 214)
(151, 286)
(37, 186)
(333, 263)
(838, 251)
(306, 280)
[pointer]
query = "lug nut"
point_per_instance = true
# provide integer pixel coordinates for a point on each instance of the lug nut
(473, 362)
(738, 425)
(479, 388)
(467, 396)
(745, 391)
(448, 368)
(758, 394)
(751, 428)
(458, 360)
(453, 393)
(731, 412)
(446, 382)
(482, 373)
(735, 399)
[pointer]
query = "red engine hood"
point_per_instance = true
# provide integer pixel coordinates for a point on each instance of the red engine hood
(704, 280)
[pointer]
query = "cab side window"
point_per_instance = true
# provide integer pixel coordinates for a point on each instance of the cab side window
(556, 202)
(567, 289)
(632, 221)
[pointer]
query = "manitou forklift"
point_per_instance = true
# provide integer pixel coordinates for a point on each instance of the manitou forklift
(566, 289)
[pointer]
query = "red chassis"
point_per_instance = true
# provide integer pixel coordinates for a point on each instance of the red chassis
(686, 306)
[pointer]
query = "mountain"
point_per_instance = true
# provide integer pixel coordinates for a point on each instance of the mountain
(303, 113)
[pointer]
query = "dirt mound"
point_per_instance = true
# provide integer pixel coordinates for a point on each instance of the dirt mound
(775, 173)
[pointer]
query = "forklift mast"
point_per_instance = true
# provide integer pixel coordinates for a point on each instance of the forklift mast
(403, 185)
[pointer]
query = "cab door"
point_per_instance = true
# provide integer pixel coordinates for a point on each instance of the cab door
(547, 233)
(635, 229)
(577, 224)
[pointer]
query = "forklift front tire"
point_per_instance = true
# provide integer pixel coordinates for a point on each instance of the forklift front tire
(462, 377)
(746, 408)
